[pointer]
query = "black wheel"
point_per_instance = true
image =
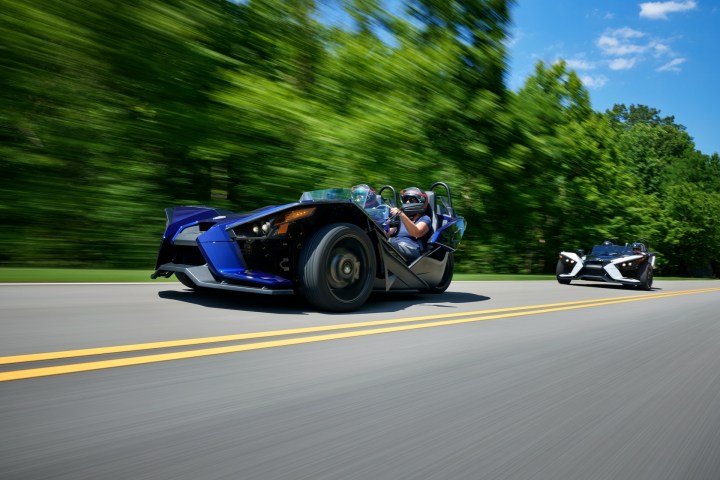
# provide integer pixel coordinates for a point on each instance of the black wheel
(561, 269)
(646, 276)
(446, 278)
(337, 268)
(182, 278)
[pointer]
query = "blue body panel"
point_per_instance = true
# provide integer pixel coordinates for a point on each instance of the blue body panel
(222, 254)
(228, 262)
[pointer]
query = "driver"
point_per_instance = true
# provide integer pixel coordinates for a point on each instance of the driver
(414, 231)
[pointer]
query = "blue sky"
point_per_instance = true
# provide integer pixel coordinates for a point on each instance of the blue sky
(663, 54)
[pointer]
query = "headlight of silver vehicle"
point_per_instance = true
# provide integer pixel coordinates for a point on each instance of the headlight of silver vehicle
(567, 260)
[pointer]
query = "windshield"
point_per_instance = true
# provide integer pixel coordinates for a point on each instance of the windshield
(327, 194)
(609, 250)
(377, 209)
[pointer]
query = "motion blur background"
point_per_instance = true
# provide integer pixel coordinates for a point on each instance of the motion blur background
(111, 111)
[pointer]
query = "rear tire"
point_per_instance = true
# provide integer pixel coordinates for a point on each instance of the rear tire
(337, 268)
(561, 269)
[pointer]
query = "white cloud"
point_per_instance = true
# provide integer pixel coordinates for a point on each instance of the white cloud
(661, 50)
(580, 64)
(660, 10)
(514, 38)
(622, 63)
(627, 32)
(616, 42)
(672, 66)
(627, 48)
(598, 81)
(604, 15)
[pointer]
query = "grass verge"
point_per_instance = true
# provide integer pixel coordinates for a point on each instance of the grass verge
(68, 275)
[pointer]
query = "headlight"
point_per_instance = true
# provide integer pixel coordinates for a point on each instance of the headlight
(287, 218)
(295, 215)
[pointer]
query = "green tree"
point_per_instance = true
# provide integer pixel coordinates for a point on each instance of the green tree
(676, 183)
(112, 111)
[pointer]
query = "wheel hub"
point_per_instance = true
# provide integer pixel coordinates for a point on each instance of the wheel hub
(344, 268)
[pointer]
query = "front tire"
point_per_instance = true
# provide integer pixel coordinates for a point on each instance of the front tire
(561, 269)
(337, 268)
(182, 278)
(646, 277)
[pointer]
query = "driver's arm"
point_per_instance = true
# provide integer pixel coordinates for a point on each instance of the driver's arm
(416, 230)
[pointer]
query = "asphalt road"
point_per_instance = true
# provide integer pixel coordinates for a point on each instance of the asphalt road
(491, 380)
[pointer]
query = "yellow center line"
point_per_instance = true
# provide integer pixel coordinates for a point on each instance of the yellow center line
(505, 313)
(36, 357)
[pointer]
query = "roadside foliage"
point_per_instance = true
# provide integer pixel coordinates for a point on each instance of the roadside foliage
(112, 111)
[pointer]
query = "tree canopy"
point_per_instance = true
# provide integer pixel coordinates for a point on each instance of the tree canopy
(113, 111)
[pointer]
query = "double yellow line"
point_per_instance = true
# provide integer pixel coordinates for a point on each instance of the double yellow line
(296, 336)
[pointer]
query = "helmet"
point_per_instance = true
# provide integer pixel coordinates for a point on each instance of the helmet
(364, 196)
(637, 246)
(414, 200)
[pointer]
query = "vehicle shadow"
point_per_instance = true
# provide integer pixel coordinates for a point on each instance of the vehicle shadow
(378, 302)
(613, 286)
(240, 301)
(398, 301)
